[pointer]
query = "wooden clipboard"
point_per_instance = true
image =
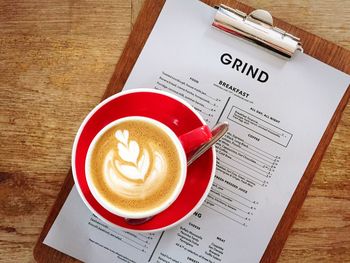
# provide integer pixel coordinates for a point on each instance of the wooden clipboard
(317, 47)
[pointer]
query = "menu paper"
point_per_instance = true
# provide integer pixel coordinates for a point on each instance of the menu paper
(277, 110)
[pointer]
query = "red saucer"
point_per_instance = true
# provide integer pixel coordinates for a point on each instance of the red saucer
(163, 107)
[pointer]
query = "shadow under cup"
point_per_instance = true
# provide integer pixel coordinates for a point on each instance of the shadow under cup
(180, 117)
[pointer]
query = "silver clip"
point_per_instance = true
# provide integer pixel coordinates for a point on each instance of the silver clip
(256, 27)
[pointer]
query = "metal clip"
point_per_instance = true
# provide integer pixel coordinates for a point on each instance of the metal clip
(256, 27)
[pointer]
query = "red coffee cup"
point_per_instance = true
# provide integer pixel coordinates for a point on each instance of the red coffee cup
(187, 129)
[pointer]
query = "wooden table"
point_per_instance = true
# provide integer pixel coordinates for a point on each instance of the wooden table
(56, 59)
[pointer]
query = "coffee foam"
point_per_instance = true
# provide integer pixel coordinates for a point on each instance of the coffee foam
(135, 166)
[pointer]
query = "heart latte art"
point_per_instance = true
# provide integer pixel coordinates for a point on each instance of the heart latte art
(135, 166)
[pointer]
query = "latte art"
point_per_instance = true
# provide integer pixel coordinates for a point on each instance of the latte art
(129, 152)
(128, 170)
(135, 166)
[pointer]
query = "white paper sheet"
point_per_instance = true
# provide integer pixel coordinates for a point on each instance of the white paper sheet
(276, 122)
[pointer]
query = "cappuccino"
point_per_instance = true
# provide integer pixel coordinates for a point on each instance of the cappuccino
(135, 166)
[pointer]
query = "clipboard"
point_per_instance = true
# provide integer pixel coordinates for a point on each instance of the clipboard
(317, 47)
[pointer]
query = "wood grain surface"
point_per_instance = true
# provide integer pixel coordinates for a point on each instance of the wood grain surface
(56, 59)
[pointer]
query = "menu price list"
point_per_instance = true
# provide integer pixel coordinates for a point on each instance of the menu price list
(190, 89)
(190, 245)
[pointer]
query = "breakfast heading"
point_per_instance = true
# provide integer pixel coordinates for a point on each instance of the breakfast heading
(244, 68)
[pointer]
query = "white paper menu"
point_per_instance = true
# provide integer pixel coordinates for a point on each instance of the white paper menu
(277, 110)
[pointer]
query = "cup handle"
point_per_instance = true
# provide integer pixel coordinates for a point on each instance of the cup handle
(195, 138)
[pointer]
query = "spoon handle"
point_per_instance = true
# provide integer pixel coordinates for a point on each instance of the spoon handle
(218, 131)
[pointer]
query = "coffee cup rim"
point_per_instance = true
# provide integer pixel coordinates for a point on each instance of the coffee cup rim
(81, 128)
(136, 215)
